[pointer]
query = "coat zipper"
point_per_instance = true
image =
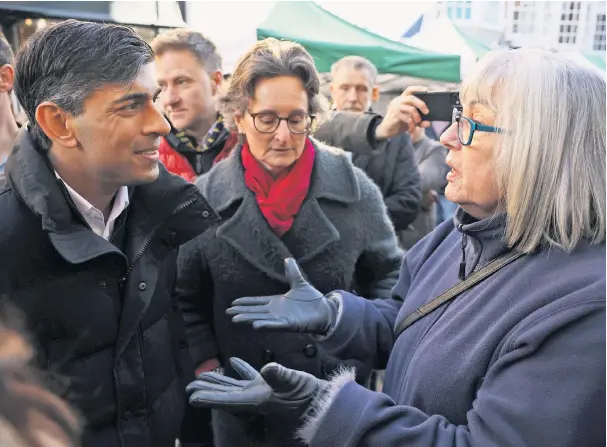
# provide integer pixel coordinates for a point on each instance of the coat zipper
(462, 264)
(148, 241)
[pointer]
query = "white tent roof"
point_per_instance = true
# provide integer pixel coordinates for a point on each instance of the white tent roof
(232, 26)
(440, 35)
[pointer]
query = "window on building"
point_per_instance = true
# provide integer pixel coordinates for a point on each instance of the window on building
(449, 12)
(599, 34)
(515, 28)
(570, 19)
(458, 12)
(468, 10)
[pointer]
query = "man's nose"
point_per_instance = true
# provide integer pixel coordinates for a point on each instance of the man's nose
(450, 139)
(352, 95)
(171, 96)
(155, 122)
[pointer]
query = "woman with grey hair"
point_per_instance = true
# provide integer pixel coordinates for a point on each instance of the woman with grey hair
(281, 194)
(495, 332)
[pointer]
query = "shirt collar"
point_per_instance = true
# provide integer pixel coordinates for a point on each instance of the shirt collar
(121, 201)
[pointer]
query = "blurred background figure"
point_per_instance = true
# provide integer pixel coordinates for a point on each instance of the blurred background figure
(30, 416)
(189, 72)
(430, 158)
(8, 125)
(281, 194)
(392, 165)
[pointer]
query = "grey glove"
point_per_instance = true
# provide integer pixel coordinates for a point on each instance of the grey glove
(301, 309)
(274, 389)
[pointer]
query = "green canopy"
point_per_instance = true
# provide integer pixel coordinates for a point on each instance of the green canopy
(478, 48)
(597, 59)
(328, 38)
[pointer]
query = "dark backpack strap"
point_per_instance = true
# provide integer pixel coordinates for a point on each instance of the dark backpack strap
(454, 291)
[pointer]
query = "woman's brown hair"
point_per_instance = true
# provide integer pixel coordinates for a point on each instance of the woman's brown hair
(270, 58)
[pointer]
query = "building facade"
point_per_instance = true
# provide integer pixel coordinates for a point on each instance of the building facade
(560, 25)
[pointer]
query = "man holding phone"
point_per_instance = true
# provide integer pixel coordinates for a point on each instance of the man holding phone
(399, 134)
(412, 112)
(391, 165)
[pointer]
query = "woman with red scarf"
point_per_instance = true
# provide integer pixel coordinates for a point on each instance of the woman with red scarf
(281, 195)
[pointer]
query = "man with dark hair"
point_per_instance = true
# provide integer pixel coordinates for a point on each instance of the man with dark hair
(90, 228)
(8, 125)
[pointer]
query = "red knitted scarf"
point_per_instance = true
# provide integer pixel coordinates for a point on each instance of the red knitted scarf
(279, 199)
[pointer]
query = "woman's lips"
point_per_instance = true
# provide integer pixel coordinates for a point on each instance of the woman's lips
(452, 174)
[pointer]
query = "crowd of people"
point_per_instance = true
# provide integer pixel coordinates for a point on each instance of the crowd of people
(226, 262)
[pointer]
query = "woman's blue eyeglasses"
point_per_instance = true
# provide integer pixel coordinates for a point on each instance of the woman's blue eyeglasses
(466, 127)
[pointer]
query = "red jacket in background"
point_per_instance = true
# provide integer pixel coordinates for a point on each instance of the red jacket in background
(175, 162)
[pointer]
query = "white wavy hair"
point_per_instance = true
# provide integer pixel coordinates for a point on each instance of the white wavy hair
(550, 160)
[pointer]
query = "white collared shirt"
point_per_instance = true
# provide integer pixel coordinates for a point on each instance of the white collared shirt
(93, 216)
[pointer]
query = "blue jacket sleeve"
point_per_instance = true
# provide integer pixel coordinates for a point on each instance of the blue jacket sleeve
(365, 328)
(546, 387)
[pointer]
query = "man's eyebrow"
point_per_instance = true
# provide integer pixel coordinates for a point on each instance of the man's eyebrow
(136, 97)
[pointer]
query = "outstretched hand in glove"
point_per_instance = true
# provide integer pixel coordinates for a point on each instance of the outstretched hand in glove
(272, 390)
(301, 309)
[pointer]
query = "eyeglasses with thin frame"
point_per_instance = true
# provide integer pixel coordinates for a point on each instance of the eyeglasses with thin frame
(268, 122)
(466, 127)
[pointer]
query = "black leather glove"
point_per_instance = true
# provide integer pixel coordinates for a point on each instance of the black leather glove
(274, 389)
(301, 309)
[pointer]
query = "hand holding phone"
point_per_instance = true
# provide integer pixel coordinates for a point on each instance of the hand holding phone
(439, 104)
(403, 114)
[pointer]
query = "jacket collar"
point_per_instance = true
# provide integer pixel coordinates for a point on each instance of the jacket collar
(31, 175)
(482, 240)
(247, 232)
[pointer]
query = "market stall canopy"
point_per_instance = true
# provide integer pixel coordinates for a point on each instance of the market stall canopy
(328, 38)
(597, 59)
(441, 33)
(161, 14)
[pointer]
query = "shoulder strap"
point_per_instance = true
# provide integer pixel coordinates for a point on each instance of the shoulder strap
(454, 291)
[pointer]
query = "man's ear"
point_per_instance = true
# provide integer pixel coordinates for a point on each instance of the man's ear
(7, 77)
(216, 80)
(375, 94)
(57, 124)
